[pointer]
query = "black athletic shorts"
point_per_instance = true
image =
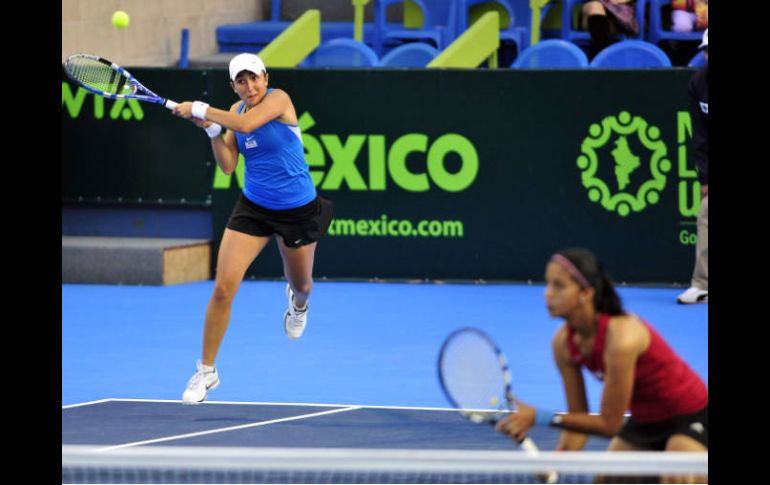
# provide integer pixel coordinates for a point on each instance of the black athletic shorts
(298, 226)
(654, 436)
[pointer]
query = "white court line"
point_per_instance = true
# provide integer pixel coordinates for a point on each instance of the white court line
(258, 403)
(85, 403)
(247, 403)
(230, 428)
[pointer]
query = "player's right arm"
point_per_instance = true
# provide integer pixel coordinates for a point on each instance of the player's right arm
(225, 147)
(574, 390)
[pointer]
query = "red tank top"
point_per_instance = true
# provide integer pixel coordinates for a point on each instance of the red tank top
(664, 385)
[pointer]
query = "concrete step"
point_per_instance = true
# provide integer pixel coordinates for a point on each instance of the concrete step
(134, 260)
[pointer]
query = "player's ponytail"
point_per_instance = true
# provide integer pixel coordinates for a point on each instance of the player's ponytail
(588, 271)
(608, 301)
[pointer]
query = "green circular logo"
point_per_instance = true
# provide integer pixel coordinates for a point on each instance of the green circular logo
(617, 129)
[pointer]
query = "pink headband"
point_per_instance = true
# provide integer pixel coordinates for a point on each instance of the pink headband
(571, 269)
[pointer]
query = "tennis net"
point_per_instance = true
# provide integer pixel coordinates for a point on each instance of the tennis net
(158, 464)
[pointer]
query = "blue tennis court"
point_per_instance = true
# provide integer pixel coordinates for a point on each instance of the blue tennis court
(363, 374)
(115, 424)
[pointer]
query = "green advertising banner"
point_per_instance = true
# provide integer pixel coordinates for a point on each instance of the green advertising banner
(481, 174)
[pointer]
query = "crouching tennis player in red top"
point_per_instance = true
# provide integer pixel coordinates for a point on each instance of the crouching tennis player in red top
(668, 401)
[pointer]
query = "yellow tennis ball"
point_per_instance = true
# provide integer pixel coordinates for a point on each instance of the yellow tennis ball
(120, 19)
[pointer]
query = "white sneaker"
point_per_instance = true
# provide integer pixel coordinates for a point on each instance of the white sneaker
(200, 384)
(693, 295)
(294, 321)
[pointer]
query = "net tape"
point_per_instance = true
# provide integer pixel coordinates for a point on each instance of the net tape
(158, 464)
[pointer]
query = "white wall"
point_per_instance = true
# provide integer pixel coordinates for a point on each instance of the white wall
(153, 36)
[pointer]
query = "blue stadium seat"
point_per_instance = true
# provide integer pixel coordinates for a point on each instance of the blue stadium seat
(386, 33)
(443, 13)
(248, 36)
(573, 34)
(341, 53)
(415, 54)
(657, 34)
(551, 54)
(522, 14)
(254, 36)
(568, 32)
(698, 60)
(631, 54)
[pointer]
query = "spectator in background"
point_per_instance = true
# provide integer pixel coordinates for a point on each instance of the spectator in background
(605, 18)
(689, 15)
(699, 112)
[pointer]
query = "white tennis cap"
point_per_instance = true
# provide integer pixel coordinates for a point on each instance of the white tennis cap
(705, 41)
(246, 62)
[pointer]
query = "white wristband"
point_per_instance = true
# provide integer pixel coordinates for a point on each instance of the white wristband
(199, 110)
(214, 130)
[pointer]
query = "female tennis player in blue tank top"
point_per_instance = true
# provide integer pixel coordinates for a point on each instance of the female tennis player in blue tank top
(278, 198)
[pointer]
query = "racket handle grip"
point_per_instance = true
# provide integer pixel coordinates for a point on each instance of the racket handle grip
(529, 446)
(170, 104)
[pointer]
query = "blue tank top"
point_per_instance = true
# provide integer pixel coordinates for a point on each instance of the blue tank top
(276, 175)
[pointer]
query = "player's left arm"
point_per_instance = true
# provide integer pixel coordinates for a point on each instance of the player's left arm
(275, 104)
(626, 340)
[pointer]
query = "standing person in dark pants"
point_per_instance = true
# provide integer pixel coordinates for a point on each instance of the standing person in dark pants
(699, 111)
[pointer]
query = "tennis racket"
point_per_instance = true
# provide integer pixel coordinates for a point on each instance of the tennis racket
(105, 78)
(475, 378)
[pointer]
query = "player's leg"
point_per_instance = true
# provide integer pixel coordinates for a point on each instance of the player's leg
(298, 269)
(236, 252)
(297, 241)
(620, 444)
(680, 442)
(691, 434)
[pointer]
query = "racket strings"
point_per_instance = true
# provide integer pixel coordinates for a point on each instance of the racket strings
(99, 75)
(471, 374)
